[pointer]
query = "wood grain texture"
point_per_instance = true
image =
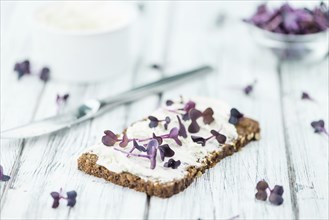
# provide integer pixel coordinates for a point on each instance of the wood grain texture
(19, 98)
(177, 36)
(214, 195)
(307, 152)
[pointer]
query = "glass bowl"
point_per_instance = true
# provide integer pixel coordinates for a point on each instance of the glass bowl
(309, 47)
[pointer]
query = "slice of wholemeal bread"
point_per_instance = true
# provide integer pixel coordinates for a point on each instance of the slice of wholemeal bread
(246, 130)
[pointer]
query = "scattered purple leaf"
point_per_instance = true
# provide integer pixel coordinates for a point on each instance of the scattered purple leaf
(275, 199)
(22, 68)
(219, 137)
(235, 116)
(208, 116)
(277, 190)
(172, 163)
(158, 138)
(3, 177)
(61, 101)
(249, 88)
(189, 105)
(109, 139)
(319, 127)
(275, 194)
(156, 66)
(167, 121)
(153, 122)
(173, 134)
(262, 185)
(45, 74)
(169, 102)
(152, 147)
(199, 140)
(261, 195)
(139, 147)
(194, 115)
(124, 142)
(182, 129)
(306, 96)
(70, 197)
(165, 151)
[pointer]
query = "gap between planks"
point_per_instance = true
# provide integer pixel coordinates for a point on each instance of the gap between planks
(291, 169)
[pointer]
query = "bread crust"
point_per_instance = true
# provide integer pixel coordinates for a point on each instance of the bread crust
(247, 129)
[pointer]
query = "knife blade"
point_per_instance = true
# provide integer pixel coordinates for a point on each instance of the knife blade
(93, 108)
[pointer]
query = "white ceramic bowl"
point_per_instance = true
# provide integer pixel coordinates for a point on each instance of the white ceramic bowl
(77, 52)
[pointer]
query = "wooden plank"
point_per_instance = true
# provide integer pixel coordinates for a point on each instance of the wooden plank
(308, 152)
(18, 98)
(228, 189)
(48, 163)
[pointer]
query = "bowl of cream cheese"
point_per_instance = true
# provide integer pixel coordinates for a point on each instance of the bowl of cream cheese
(84, 41)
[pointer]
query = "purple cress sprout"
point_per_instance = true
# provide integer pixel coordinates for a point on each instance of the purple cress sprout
(182, 129)
(110, 139)
(172, 164)
(165, 151)
(306, 96)
(61, 101)
(200, 140)
(169, 102)
(24, 68)
(275, 194)
(318, 127)
(249, 88)
(3, 177)
(154, 122)
(45, 74)
(70, 197)
(235, 116)
(151, 151)
(194, 114)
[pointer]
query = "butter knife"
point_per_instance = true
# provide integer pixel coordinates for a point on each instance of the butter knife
(95, 107)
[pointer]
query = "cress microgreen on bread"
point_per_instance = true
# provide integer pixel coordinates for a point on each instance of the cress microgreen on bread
(221, 139)
(154, 122)
(109, 139)
(182, 129)
(172, 163)
(235, 116)
(165, 151)
(195, 114)
(149, 150)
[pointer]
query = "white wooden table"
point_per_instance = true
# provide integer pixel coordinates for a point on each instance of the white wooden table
(177, 36)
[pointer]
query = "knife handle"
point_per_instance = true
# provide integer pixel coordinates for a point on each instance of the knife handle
(155, 87)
